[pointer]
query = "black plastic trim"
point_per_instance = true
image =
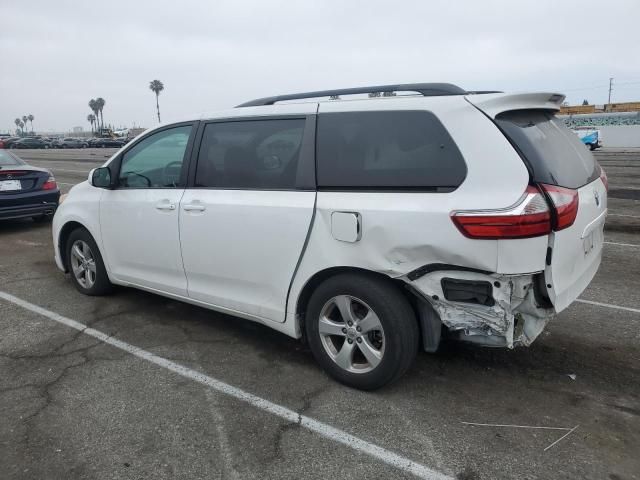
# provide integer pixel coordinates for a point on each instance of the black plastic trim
(477, 292)
(435, 267)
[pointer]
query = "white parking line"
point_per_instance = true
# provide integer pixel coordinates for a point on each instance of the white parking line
(622, 244)
(609, 305)
(63, 183)
(322, 429)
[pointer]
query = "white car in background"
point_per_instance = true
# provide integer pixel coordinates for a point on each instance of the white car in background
(369, 226)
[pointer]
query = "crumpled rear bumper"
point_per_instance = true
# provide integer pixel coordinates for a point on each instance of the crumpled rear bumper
(516, 316)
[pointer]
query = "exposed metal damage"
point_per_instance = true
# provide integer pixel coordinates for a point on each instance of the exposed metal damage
(512, 318)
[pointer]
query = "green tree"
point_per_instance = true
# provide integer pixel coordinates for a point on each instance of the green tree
(31, 117)
(17, 121)
(156, 87)
(91, 118)
(100, 105)
(585, 102)
(94, 108)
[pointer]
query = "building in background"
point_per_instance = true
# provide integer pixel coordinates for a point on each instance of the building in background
(605, 108)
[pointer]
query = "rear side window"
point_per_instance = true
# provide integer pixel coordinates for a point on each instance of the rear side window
(252, 154)
(554, 153)
(387, 150)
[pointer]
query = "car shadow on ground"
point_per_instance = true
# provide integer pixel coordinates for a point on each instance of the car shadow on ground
(21, 225)
(551, 358)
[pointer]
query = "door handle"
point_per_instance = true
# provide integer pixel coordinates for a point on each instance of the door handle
(165, 205)
(194, 207)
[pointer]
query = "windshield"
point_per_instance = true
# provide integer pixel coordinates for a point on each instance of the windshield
(554, 153)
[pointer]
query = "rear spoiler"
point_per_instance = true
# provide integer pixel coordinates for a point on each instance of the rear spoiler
(494, 103)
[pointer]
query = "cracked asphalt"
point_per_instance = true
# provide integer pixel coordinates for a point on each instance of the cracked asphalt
(74, 407)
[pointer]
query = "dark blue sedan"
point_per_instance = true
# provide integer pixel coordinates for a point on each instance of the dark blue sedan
(26, 191)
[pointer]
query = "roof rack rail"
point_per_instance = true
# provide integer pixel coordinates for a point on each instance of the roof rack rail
(483, 92)
(425, 89)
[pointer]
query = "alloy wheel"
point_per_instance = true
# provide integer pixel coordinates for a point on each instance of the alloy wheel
(83, 264)
(351, 334)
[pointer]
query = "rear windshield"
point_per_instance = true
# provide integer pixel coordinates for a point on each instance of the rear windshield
(7, 159)
(554, 153)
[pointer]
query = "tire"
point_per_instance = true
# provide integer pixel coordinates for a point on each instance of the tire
(100, 284)
(394, 345)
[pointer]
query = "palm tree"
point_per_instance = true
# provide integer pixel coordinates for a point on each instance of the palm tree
(91, 118)
(18, 122)
(94, 108)
(156, 87)
(31, 117)
(25, 119)
(100, 105)
(22, 127)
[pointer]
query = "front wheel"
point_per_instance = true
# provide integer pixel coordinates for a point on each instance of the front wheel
(361, 330)
(85, 264)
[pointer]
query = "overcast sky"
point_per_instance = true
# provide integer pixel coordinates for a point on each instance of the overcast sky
(57, 55)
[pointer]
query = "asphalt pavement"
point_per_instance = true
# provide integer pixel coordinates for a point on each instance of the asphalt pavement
(165, 390)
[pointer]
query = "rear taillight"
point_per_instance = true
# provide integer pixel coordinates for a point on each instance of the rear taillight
(530, 217)
(565, 203)
(50, 184)
(603, 177)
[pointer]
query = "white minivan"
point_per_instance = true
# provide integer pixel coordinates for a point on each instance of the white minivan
(371, 227)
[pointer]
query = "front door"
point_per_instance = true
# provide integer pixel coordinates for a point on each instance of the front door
(139, 218)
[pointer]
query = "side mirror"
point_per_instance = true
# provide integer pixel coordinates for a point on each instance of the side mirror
(100, 177)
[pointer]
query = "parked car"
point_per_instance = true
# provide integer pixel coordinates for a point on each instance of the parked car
(106, 143)
(26, 191)
(73, 143)
(6, 142)
(369, 226)
(55, 142)
(591, 137)
(30, 142)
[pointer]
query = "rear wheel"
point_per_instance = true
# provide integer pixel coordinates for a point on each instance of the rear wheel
(85, 264)
(361, 330)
